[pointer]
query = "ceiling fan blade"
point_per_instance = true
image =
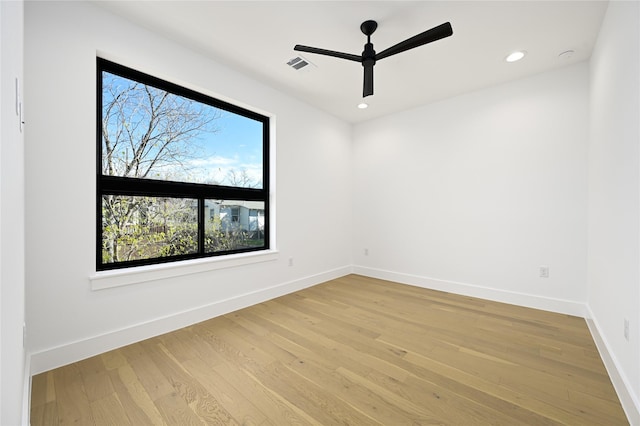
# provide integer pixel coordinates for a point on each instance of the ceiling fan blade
(435, 33)
(326, 52)
(367, 89)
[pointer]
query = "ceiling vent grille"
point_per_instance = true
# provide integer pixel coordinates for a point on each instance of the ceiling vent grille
(299, 63)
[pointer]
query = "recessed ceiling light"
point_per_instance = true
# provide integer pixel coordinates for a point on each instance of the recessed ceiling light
(515, 56)
(362, 105)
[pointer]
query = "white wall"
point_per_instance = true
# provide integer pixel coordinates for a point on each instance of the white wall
(473, 194)
(68, 320)
(614, 193)
(12, 284)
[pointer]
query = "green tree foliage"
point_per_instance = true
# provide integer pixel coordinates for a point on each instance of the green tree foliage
(148, 133)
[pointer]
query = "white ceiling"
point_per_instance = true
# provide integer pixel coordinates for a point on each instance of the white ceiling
(257, 38)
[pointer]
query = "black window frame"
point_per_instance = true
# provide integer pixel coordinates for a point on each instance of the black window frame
(128, 186)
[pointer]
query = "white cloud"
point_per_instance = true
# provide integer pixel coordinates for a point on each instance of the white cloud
(213, 169)
(213, 161)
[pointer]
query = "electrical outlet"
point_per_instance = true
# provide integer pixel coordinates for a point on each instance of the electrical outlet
(626, 329)
(544, 271)
(291, 261)
(366, 252)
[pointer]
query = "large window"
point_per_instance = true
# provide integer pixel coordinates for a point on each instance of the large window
(180, 175)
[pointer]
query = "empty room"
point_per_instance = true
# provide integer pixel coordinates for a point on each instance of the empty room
(320, 212)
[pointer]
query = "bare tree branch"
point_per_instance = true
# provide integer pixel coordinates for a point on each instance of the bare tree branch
(146, 133)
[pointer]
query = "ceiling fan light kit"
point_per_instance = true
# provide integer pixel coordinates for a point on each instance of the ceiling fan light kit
(369, 57)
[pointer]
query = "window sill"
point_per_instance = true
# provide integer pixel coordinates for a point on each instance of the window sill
(121, 277)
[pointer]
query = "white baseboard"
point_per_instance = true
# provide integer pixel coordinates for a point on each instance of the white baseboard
(521, 299)
(75, 351)
(26, 391)
(630, 402)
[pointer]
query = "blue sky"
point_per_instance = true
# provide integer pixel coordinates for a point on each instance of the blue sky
(234, 146)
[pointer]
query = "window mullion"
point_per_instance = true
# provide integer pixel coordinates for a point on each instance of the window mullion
(116, 185)
(201, 225)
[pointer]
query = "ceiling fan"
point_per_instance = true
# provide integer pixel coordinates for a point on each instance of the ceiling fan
(369, 56)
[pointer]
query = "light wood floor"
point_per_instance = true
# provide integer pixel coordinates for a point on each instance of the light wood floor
(353, 351)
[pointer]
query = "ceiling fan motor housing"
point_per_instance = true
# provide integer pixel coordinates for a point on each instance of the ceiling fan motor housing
(368, 61)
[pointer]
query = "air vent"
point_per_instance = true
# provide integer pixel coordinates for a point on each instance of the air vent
(299, 63)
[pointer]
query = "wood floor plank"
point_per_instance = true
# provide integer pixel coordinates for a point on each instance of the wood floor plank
(45, 415)
(236, 404)
(182, 344)
(519, 405)
(133, 397)
(151, 377)
(96, 379)
(272, 373)
(278, 410)
(351, 351)
(198, 399)
(39, 390)
(387, 358)
(175, 411)
(113, 359)
(71, 399)
(109, 411)
(312, 398)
